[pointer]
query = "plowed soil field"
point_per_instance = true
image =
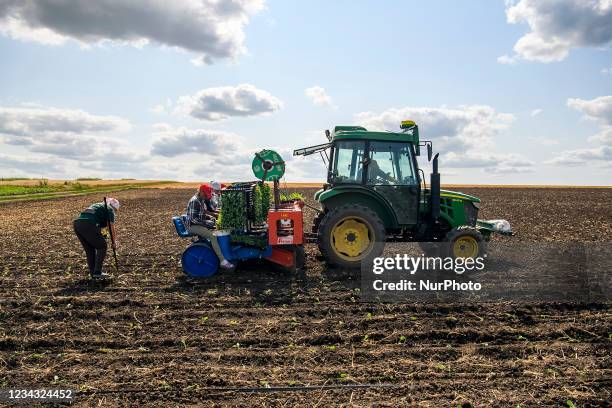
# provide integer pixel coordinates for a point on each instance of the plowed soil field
(262, 336)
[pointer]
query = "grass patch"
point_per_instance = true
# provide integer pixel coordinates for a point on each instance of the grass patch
(46, 191)
(10, 190)
(42, 187)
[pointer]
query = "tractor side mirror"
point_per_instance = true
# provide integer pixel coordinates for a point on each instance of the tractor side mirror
(429, 152)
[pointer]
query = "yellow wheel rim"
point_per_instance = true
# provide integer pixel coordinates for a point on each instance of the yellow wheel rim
(351, 238)
(465, 247)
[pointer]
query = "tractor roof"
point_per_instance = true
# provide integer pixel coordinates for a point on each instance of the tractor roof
(357, 132)
(410, 134)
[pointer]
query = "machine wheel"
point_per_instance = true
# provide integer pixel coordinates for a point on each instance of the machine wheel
(300, 256)
(350, 233)
(200, 261)
(300, 260)
(464, 242)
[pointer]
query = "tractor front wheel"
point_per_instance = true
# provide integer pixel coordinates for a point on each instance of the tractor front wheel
(349, 234)
(464, 242)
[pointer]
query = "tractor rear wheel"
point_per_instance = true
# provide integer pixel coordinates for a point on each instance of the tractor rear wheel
(464, 242)
(349, 234)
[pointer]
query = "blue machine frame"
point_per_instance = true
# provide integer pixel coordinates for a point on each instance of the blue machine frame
(200, 261)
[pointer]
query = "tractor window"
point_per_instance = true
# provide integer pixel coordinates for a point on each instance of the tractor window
(390, 164)
(348, 162)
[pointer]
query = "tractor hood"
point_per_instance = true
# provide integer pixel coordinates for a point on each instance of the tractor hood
(462, 196)
(443, 193)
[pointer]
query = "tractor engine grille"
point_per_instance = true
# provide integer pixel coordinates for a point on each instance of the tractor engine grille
(471, 213)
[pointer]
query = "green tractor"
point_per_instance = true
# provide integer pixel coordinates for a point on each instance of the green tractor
(375, 192)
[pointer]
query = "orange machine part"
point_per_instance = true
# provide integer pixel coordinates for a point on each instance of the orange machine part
(281, 256)
(277, 235)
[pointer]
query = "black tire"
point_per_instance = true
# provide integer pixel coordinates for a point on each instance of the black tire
(300, 256)
(299, 269)
(363, 214)
(448, 248)
(317, 221)
(317, 227)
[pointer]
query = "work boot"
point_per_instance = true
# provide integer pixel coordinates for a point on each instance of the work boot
(100, 276)
(225, 264)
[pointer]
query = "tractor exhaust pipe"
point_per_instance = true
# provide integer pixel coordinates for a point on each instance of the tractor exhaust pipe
(434, 197)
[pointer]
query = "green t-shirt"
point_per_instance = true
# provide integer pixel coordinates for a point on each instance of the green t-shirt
(98, 214)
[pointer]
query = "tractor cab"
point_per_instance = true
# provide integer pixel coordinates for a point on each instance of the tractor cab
(375, 192)
(379, 164)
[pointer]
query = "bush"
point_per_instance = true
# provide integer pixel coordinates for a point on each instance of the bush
(77, 186)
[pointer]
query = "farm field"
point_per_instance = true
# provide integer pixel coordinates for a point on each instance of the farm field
(256, 335)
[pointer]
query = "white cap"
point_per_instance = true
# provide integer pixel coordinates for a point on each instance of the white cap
(113, 202)
(215, 185)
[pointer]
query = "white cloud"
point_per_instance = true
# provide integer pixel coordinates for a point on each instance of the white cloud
(536, 112)
(606, 71)
(464, 135)
(17, 165)
(319, 97)
(581, 156)
(72, 135)
(489, 161)
(211, 29)
(218, 145)
(451, 129)
(604, 137)
(36, 122)
(506, 59)
(212, 154)
(557, 26)
(214, 104)
(599, 110)
(162, 109)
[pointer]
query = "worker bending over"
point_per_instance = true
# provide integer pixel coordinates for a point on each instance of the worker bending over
(201, 219)
(88, 229)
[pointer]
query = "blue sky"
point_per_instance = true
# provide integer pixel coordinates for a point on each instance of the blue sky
(516, 92)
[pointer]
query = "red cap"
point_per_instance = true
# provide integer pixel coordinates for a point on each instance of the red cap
(205, 190)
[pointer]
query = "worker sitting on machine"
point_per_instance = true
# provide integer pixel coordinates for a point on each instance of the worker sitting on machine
(216, 195)
(201, 219)
(375, 173)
